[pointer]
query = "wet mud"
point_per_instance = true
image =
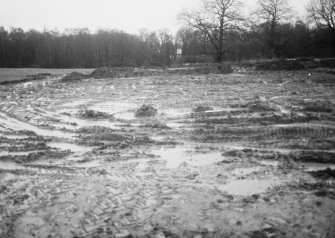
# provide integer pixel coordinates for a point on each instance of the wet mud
(168, 155)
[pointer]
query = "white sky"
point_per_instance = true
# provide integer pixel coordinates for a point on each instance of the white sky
(127, 15)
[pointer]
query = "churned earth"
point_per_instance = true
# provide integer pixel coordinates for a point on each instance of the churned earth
(248, 154)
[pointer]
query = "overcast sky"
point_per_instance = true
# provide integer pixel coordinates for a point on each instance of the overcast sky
(127, 15)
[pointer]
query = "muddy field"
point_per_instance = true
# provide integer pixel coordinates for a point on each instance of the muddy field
(8, 74)
(247, 154)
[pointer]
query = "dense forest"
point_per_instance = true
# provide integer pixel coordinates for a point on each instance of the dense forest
(198, 41)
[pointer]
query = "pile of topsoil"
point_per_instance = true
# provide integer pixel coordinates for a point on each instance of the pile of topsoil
(297, 64)
(280, 65)
(126, 72)
(146, 111)
(74, 76)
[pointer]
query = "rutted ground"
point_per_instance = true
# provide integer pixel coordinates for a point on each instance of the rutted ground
(237, 155)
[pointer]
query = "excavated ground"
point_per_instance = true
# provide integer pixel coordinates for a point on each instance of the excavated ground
(236, 155)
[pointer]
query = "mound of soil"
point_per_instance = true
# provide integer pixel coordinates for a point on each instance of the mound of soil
(102, 73)
(207, 69)
(280, 65)
(258, 106)
(156, 125)
(146, 111)
(313, 156)
(91, 114)
(220, 69)
(327, 63)
(74, 76)
(326, 70)
(107, 72)
(112, 137)
(201, 108)
(324, 174)
(317, 107)
(224, 69)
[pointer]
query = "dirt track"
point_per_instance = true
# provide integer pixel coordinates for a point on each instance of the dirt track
(236, 155)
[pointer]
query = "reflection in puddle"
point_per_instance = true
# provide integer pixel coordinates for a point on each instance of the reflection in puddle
(176, 156)
(309, 166)
(248, 187)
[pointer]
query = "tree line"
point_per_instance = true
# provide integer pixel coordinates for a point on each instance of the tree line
(219, 28)
(217, 31)
(79, 48)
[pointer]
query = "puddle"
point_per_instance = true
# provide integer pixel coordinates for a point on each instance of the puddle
(128, 116)
(174, 125)
(180, 126)
(76, 103)
(269, 163)
(124, 111)
(24, 153)
(310, 167)
(280, 150)
(16, 137)
(10, 166)
(304, 124)
(176, 113)
(69, 146)
(158, 138)
(15, 124)
(176, 156)
(248, 187)
(245, 171)
(103, 123)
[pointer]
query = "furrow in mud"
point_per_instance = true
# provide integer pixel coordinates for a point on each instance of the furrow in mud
(243, 155)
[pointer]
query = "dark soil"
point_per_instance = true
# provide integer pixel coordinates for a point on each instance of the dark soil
(280, 65)
(169, 152)
(74, 76)
(146, 111)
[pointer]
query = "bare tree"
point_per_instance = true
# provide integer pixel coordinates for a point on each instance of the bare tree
(273, 12)
(215, 19)
(323, 13)
(167, 49)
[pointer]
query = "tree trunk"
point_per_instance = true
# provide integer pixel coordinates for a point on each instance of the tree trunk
(219, 57)
(220, 49)
(272, 44)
